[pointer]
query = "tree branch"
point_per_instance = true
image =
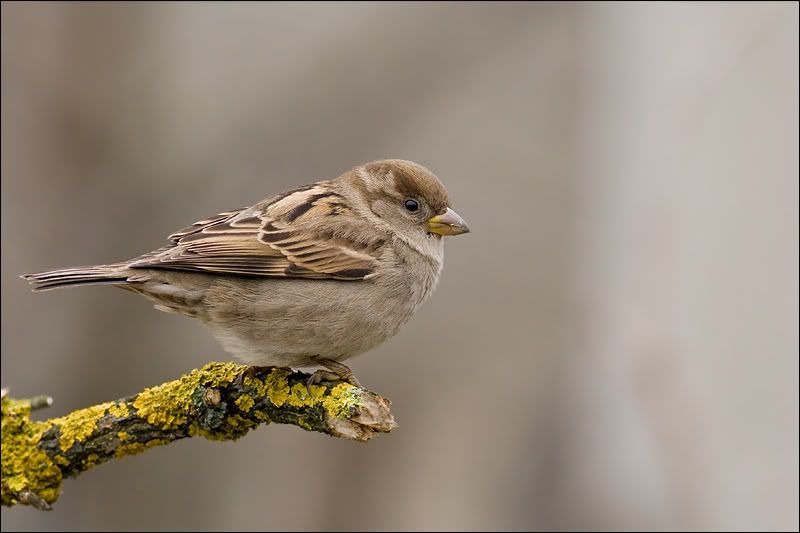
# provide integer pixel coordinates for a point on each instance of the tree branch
(221, 401)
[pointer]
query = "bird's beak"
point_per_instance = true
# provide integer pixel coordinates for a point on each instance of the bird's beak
(447, 224)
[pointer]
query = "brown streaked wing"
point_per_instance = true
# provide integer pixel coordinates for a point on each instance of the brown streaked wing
(274, 238)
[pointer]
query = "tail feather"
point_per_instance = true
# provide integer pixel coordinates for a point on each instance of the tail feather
(73, 277)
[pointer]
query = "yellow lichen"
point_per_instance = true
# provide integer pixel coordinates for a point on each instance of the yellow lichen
(342, 398)
(90, 460)
(167, 405)
(60, 459)
(118, 410)
(318, 392)
(277, 386)
(24, 466)
(238, 423)
(304, 422)
(78, 425)
(245, 402)
(299, 396)
(338, 402)
(196, 430)
(131, 448)
(258, 386)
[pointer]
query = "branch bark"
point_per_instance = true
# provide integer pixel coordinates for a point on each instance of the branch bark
(221, 401)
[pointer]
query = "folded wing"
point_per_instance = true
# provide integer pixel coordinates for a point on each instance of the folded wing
(292, 235)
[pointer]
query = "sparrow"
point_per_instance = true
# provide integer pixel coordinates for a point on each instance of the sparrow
(308, 277)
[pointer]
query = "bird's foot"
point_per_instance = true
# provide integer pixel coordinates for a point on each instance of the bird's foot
(333, 371)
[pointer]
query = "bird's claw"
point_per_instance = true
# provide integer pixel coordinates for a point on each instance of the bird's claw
(333, 371)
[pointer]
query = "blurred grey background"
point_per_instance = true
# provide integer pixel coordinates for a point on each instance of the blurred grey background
(615, 346)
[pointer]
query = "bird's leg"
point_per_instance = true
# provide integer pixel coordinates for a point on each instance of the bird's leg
(335, 370)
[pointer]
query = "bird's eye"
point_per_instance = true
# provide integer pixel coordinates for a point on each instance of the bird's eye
(411, 205)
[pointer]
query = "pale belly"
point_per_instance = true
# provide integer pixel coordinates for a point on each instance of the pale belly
(290, 322)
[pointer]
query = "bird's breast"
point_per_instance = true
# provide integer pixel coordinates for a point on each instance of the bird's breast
(286, 322)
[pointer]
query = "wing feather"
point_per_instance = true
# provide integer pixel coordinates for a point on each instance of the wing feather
(279, 237)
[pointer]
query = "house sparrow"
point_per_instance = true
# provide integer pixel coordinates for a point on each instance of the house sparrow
(308, 277)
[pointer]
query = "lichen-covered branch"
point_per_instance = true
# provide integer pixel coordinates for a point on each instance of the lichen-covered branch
(221, 401)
